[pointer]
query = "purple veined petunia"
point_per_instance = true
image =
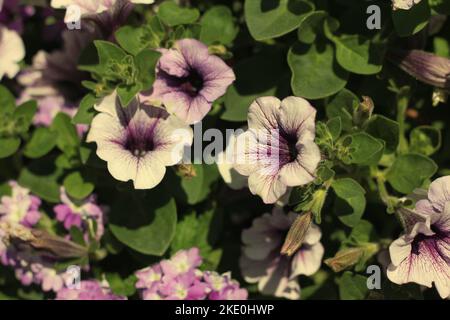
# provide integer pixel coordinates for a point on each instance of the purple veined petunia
(91, 7)
(12, 52)
(278, 149)
(138, 141)
(261, 261)
(189, 79)
(422, 254)
(404, 4)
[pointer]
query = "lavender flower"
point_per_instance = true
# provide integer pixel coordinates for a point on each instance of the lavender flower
(422, 254)
(278, 150)
(80, 215)
(89, 290)
(179, 279)
(189, 80)
(262, 263)
(20, 207)
(424, 66)
(138, 141)
(12, 51)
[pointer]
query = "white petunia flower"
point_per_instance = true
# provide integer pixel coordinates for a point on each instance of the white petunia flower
(138, 141)
(12, 51)
(404, 4)
(88, 7)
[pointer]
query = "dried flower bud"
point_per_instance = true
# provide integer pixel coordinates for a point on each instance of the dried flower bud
(345, 259)
(186, 171)
(364, 111)
(57, 246)
(424, 66)
(296, 234)
(15, 231)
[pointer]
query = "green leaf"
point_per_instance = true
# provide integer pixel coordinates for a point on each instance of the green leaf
(41, 143)
(24, 114)
(358, 54)
(218, 26)
(273, 18)
(351, 194)
(8, 146)
(67, 136)
(146, 62)
(362, 233)
(122, 287)
(352, 286)
(315, 73)
(199, 231)
(409, 22)
(335, 127)
(311, 26)
(77, 186)
(172, 15)
(273, 80)
(385, 129)
(86, 111)
(363, 149)
(41, 177)
(145, 224)
(343, 105)
(425, 140)
(127, 93)
(107, 52)
(130, 39)
(7, 101)
(410, 171)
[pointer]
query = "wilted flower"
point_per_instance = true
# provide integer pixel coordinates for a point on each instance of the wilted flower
(189, 80)
(80, 215)
(88, 290)
(138, 141)
(278, 150)
(424, 66)
(404, 4)
(179, 279)
(12, 51)
(422, 254)
(20, 207)
(262, 263)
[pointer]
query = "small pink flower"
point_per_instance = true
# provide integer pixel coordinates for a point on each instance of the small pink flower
(262, 263)
(21, 207)
(182, 262)
(78, 215)
(422, 254)
(189, 80)
(89, 290)
(278, 150)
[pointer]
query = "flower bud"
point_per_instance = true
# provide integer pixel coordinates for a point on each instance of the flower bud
(296, 234)
(186, 171)
(424, 66)
(364, 111)
(57, 246)
(345, 259)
